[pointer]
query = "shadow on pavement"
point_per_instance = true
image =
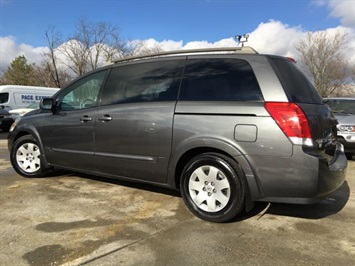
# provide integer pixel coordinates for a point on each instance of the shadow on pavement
(333, 204)
(131, 184)
(3, 135)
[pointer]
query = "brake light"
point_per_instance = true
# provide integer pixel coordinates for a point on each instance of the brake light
(292, 121)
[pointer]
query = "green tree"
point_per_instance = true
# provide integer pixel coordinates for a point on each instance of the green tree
(19, 72)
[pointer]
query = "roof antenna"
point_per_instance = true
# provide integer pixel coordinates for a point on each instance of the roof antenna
(241, 39)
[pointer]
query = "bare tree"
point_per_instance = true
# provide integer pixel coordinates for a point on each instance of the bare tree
(42, 75)
(105, 44)
(91, 46)
(138, 47)
(322, 54)
(50, 59)
(75, 56)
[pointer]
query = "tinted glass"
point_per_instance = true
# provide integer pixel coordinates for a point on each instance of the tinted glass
(298, 86)
(82, 94)
(143, 82)
(4, 97)
(345, 106)
(219, 80)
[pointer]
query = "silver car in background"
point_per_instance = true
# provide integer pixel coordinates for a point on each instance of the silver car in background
(344, 111)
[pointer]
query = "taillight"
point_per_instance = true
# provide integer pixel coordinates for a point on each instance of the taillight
(292, 121)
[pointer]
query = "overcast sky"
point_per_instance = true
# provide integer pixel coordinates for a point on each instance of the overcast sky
(275, 26)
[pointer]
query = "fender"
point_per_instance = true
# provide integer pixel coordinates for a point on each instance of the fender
(33, 129)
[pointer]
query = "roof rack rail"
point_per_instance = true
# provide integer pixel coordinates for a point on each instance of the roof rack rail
(238, 50)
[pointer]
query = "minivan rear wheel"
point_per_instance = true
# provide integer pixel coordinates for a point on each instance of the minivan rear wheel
(213, 187)
(26, 157)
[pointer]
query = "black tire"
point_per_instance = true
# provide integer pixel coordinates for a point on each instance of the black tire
(26, 157)
(220, 183)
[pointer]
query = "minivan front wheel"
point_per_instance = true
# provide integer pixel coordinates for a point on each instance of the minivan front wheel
(213, 187)
(26, 159)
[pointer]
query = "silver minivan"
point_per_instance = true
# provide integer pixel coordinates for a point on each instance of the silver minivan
(225, 127)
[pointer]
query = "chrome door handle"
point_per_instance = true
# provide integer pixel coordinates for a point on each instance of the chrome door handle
(85, 118)
(105, 118)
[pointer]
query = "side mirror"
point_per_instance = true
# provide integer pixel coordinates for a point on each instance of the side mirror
(46, 104)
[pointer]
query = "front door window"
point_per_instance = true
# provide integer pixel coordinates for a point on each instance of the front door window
(83, 94)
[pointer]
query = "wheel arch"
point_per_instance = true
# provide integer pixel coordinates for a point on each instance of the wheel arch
(183, 155)
(29, 129)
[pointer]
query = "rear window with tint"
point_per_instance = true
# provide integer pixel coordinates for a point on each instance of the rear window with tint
(219, 80)
(298, 86)
(143, 82)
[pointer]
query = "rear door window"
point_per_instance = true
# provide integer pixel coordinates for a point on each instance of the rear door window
(298, 87)
(219, 80)
(143, 82)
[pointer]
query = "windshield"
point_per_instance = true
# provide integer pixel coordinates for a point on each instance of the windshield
(33, 106)
(345, 106)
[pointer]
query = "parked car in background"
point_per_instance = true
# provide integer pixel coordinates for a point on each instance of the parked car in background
(22, 111)
(227, 127)
(18, 96)
(344, 111)
(6, 120)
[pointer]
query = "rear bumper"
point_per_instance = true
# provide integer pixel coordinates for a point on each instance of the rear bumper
(301, 179)
(332, 175)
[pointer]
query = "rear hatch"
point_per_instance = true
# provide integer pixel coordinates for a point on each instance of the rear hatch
(301, 91)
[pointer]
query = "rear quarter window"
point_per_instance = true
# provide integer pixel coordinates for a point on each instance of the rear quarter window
(298, 87)
(219, 80)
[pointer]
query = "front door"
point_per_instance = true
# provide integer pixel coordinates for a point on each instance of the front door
(68, 134)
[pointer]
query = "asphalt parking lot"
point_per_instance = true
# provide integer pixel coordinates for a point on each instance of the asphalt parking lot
(71, 219)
